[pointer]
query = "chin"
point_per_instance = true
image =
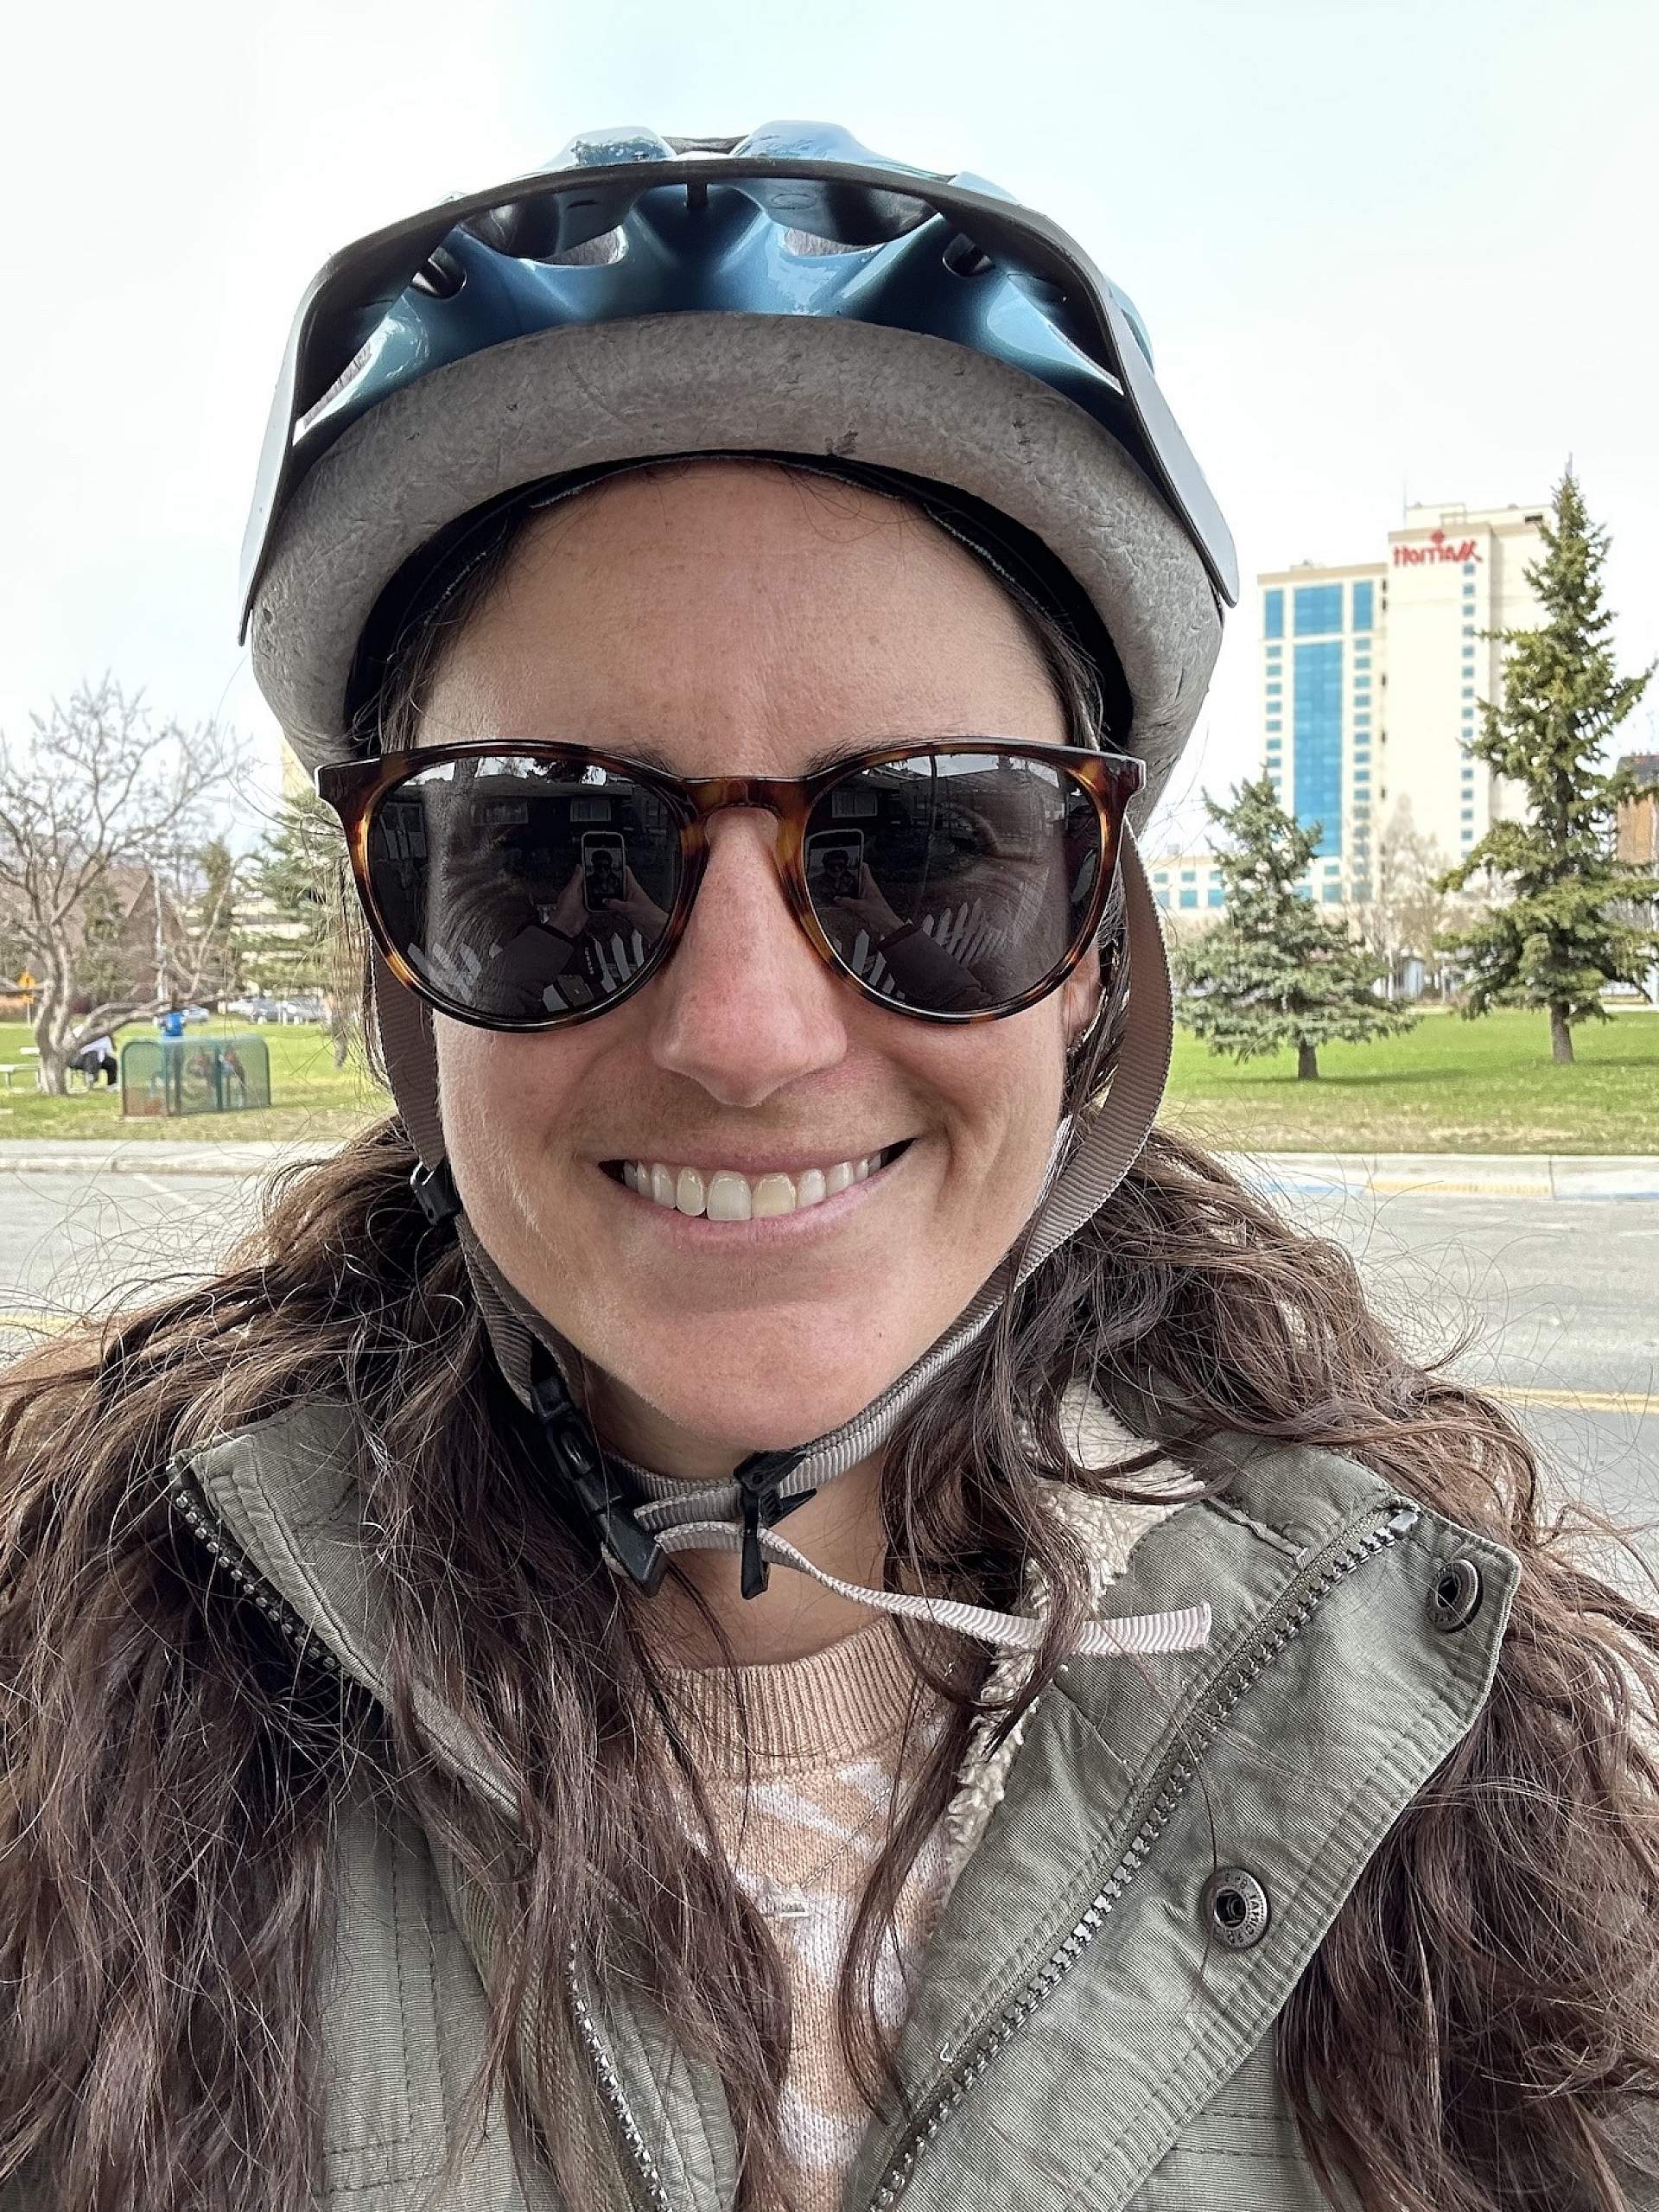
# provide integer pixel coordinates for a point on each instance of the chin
(747, 1409)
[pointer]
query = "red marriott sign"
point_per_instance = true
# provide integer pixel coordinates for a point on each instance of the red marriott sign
(1438, 548)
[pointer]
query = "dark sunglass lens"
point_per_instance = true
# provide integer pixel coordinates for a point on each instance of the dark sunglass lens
(524, 889)
(954, 882)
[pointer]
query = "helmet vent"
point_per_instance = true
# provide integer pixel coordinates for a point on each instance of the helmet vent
(810, 242)
(593, 253)
(964, 258)
(440, 276)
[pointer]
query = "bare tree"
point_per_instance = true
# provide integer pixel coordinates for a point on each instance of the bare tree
(1406, 910)
(93, 802)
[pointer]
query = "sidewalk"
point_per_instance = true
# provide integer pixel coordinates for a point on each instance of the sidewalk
(1451, 1174)
(1424, 1175)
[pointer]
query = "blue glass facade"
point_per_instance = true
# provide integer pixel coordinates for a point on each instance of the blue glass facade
(1273, 614)
(1364, 596)
(1319, 610)
(1318, 731)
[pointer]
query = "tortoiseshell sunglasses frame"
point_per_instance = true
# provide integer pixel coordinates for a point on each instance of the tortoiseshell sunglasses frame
(355, 789)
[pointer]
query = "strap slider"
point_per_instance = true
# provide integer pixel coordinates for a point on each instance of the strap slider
(602, 1496)
(435, 1194)
(758, 1479)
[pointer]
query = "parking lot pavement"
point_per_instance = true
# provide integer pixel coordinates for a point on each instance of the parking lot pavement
(1555, 1295)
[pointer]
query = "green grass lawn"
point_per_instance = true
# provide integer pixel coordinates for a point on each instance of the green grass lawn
(1447, 1085)
(310, 1097)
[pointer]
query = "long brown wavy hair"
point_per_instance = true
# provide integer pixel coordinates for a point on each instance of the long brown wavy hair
(1478, 2032)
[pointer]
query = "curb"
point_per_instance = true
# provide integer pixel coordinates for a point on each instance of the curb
(1571, 1176)
(156, 1157)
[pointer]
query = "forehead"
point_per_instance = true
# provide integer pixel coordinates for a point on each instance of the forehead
(740, 617)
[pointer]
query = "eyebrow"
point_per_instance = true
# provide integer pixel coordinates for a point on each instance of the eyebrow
(826, 756)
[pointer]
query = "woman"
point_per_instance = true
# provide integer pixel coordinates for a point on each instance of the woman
(730, 597)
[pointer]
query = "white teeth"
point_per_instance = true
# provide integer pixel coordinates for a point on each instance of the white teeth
(727, 1196)
(773, 1194)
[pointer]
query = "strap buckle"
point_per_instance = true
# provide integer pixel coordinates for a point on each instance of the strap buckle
(758, 1480)
(435, 1192)
(603, 1496)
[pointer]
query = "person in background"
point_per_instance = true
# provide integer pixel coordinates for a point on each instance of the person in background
(98, 1058)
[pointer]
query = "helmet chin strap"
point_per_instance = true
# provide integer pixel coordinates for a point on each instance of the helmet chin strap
(641, 1517)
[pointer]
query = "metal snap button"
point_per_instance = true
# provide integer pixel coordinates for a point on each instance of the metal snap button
(1235, 1905)
(1455, 1599)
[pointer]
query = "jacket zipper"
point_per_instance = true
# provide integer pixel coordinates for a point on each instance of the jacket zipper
(1290, 1617)
(187, 1501)
(615, 2096)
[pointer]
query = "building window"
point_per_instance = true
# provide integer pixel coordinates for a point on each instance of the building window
(1468, 568)
(1468, 690)
(1273, 614)
(1189, 897)
(1275, 724)
(1319, 611)
(1316, 726)
(1362, 809)
(1362, 778)
(1331, 892)
(1362, 752)
(1467, 815)
(1160, 898)
(1189, 876)
(1363, 599)
(1362, 687)
(1468, 629)
(1213, 898)
(1362, 721)
(1276, 690)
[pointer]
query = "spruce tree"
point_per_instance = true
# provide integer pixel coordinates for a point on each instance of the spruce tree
(1274, 971)
(1569, 919)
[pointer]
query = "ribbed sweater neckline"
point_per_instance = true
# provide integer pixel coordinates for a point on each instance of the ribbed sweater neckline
(800, 1713)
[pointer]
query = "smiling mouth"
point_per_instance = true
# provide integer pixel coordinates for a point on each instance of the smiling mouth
(724, 1195)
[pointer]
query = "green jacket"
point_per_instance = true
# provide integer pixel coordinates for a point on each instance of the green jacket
(1093, 2024)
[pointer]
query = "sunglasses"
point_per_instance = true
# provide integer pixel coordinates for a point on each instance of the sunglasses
(530, 885)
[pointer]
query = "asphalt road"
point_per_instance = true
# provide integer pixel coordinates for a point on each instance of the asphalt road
(1557, 1299)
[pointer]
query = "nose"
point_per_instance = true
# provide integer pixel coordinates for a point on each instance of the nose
(745, 1006)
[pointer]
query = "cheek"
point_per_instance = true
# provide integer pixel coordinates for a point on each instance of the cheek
(502, 1100)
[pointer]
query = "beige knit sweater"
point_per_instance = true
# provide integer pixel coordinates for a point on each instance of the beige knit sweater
(827, 1738)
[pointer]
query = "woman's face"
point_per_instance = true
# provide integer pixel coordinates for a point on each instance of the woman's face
(737, 619)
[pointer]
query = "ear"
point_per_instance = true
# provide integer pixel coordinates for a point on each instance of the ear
(1080, 995)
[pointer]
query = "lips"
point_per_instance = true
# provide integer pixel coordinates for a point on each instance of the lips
(724, 1195)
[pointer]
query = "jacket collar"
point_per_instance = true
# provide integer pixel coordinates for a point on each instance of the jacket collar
(286, 1490)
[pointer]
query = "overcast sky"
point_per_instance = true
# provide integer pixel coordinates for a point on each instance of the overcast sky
(1397, 250)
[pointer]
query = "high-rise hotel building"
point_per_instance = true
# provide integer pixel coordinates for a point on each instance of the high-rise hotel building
(1371, 680)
